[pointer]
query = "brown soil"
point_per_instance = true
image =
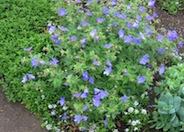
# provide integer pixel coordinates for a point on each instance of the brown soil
(14, 117)
(170, 22)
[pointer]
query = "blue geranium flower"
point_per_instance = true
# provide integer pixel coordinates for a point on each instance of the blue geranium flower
(52, 29)
(95, 62)
(151, 3)
(100, 20)
(85, 76)
(144, 59)
(141, 79)
(78, 118)
(121, 33)
(96, 101)
(62, 11)
(172, 35)
(34, 62)
(124, 98)
(128, 39)
(161, 69)
(62, 101)
(91, 80)
(160, 51)
(54, 61)
(108, 45)
(159, 37)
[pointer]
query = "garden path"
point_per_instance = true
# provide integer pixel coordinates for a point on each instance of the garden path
(14, 117)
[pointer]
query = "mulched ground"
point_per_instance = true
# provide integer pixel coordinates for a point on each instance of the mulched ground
(14, 117)
(170, 22)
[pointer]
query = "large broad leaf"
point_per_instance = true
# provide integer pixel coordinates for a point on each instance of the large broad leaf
(172, 111)
(180, 113)
(176, 103)
(175, 122)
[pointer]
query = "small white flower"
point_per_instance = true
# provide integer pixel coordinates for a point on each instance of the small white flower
(54, 106)
(115, 130)
(130, 109)
(136, 103)
(126, 130)
(49, 127)
(136, 111)
(134, 123)
(144, 111)
(146, 93)
(53, 112)
(43, 97)
(135, 129)
(50, 106)
(125, 113)
(138, 122)
(65, 108)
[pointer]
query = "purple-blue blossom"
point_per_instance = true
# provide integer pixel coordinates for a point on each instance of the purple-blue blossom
(105, 10)
(161, 70)
(128, 25)
(63, 28)
(95, 62)
(34, 62)
(77, 95)
(62, 12)
(62, 101)
(96, 101)
(142, 9)
(93, 33)
(91, 80)
(138, 17)
(52, 29)
(85, 108)
(108, 63)
(155, 14)
(83, 42)
(151, 3)
(25, 79)
(107, 46)
(84, 23)
(136, 40)
(78, 118)
(105, 122)
(141, 35)
(172, 35)
(107, 70)
(100, 20)
(124, 98)
(159, 37)
(73, 38)
(85, 76)
(141, 79)
(54, 38)
(30, 76)
(54, 61)
(88, 13)
(96, 90)
(181, 44)
(144, 59)
(78, 1)
(84, 94)
(160, 51)
(102, 94)
(128, 39)
(121, 33)
(85, 118)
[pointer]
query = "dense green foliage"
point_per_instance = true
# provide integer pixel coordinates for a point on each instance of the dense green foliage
(22, 23)
(172, 6)
(92, 66)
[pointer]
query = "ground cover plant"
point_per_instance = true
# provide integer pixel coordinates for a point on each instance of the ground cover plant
(22, 24)
(172, 6)
(103, 57)
(95, 70)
